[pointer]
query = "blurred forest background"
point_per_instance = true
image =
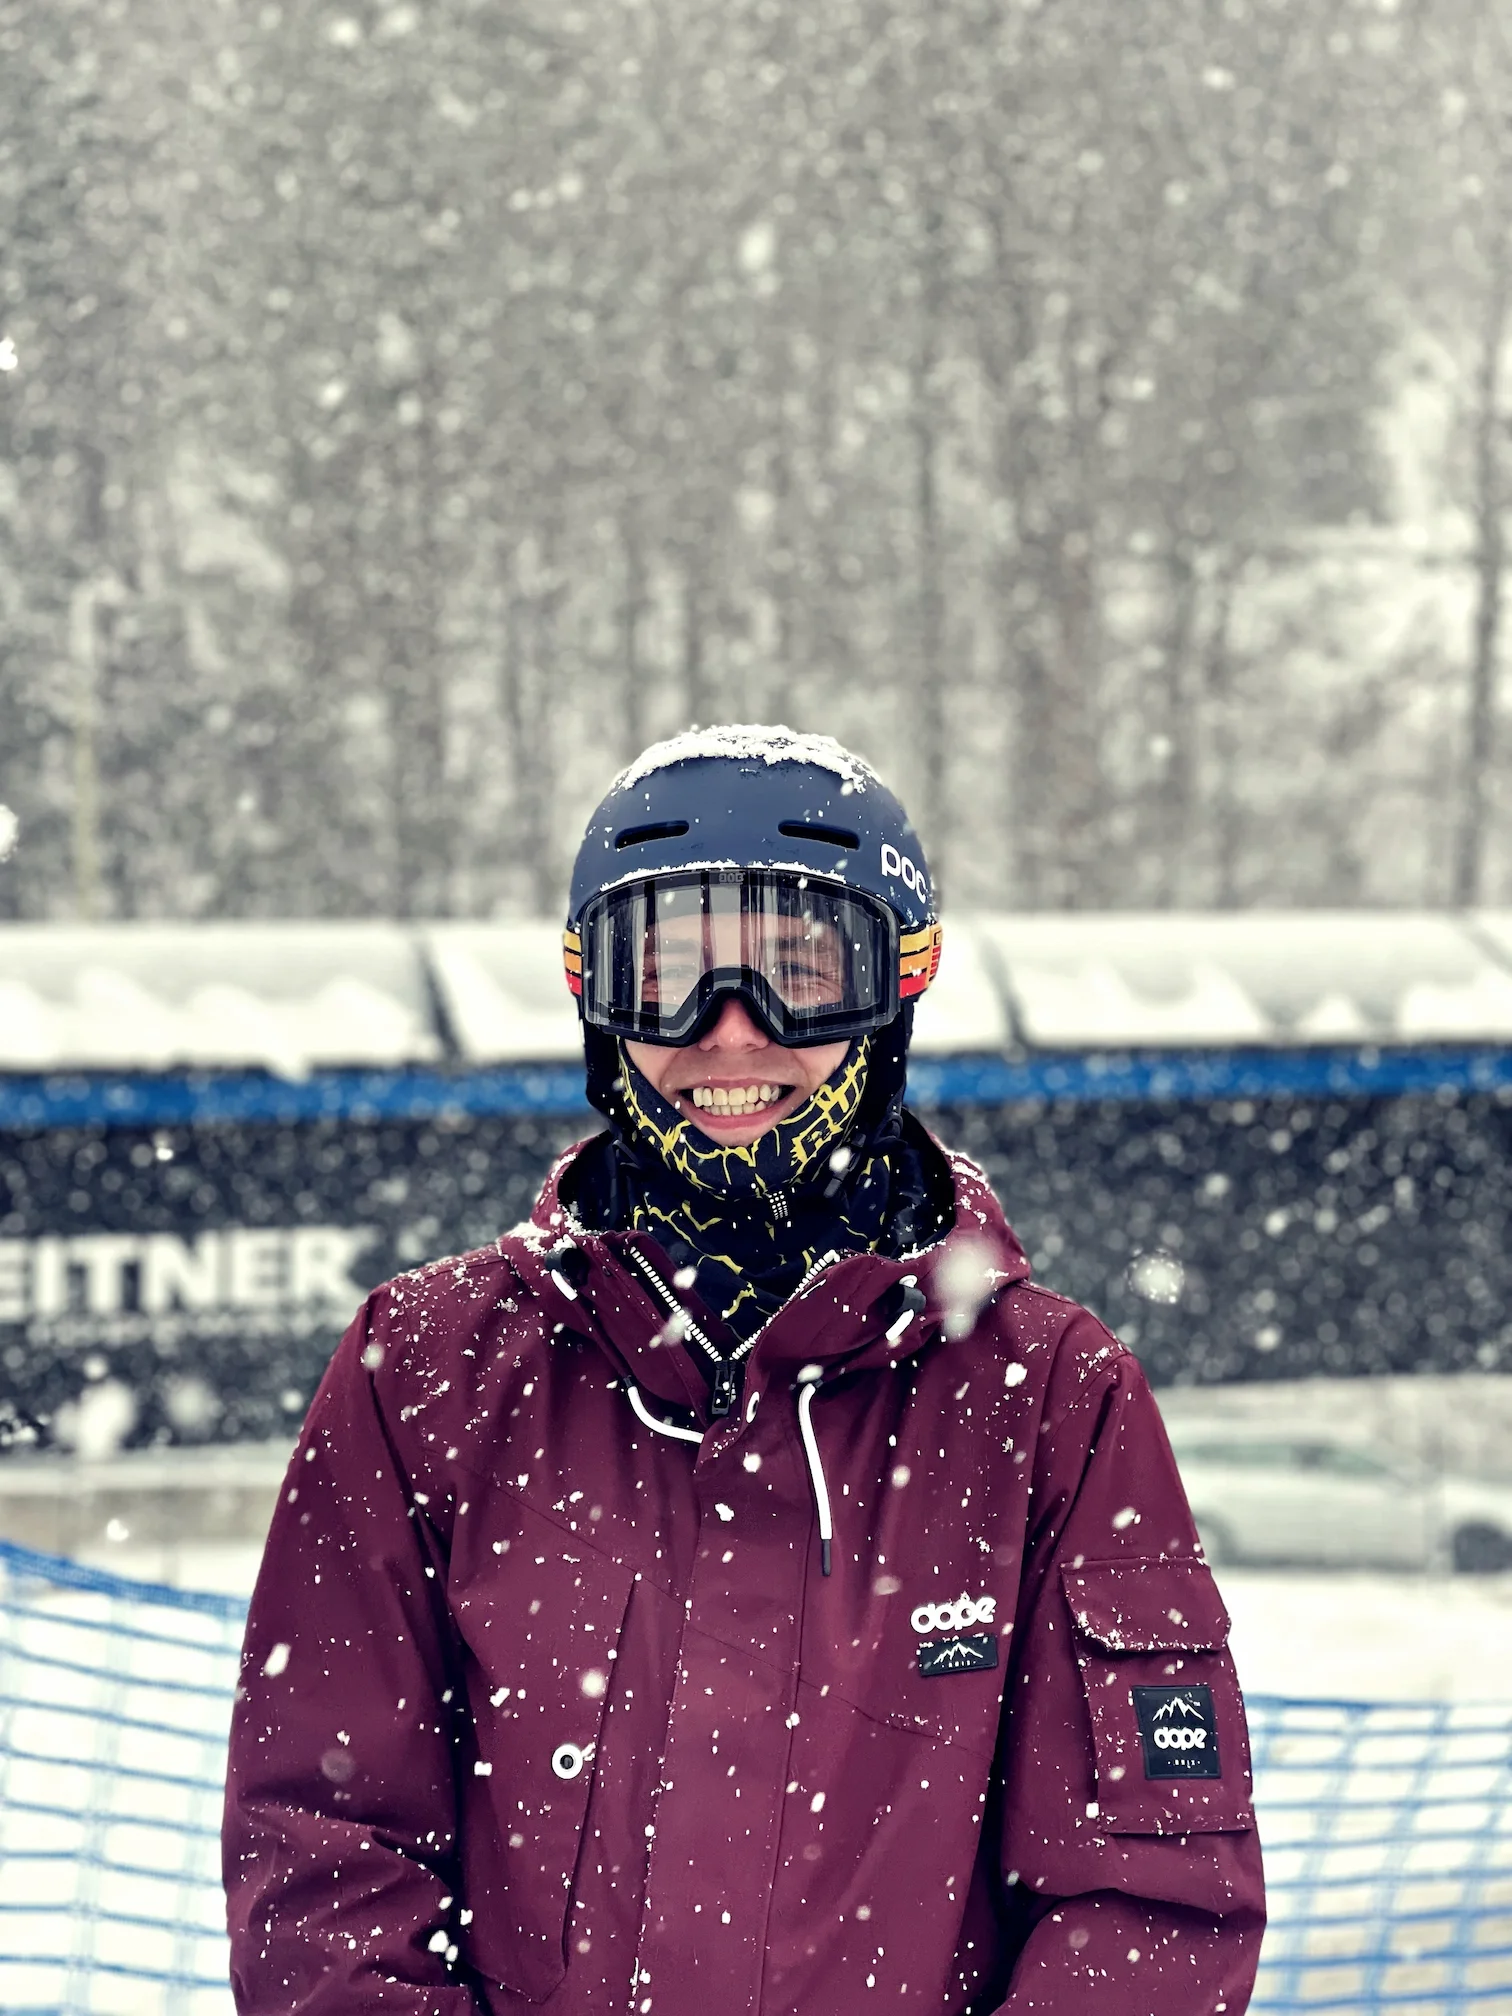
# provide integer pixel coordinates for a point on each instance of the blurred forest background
(1094, 410)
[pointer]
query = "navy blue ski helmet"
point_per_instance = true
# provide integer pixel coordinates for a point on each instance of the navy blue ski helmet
(777, 813)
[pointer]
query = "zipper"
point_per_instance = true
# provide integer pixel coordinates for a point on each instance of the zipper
(824, 1260)
(726, 1389)
(661, 1293)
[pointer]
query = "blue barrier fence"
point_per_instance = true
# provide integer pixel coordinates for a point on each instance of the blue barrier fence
(38, 1101)
(1388, 1829)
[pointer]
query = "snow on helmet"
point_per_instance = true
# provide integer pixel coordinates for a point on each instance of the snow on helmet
(774, 812)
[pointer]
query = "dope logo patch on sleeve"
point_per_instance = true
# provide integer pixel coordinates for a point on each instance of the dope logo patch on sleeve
(1178, 1730)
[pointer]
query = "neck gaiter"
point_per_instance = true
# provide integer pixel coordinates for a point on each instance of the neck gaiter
(753, 1221)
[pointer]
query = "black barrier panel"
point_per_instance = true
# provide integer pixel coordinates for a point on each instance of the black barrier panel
(1270, 1239)
(190, 1283)
(200, 1277)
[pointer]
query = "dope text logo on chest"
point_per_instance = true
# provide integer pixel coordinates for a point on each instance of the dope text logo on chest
(957, 1616)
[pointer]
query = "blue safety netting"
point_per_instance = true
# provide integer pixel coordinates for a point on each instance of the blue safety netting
(1387, 1829)
(1388, 1854)
(115, 1700)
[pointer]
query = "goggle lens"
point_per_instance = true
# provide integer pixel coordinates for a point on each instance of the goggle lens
(813, 961)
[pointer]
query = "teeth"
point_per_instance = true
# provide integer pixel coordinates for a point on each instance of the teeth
(735, 1099)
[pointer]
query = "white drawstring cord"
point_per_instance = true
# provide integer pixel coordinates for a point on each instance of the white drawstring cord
(806, 1392)
(808, 1387)
(661, 1427)
(913, 1302)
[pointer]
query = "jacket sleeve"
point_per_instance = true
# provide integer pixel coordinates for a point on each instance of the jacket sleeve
(340, 1805)
(1132, 1849)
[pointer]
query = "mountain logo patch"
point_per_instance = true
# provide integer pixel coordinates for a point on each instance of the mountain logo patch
(976, 1654)
(1178, 1730)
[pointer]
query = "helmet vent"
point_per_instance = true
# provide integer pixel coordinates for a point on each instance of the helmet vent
(799, 829)
(663, 829)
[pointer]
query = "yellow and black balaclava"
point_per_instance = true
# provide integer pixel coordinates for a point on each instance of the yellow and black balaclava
(753, 1221)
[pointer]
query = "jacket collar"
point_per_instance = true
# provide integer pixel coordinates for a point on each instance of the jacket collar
(862, 1311)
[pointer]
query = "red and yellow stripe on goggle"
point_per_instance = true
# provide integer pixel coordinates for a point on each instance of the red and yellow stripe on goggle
(572, 959)
(918, 959)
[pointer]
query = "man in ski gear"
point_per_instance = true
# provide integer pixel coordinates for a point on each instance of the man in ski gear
(741, 1588)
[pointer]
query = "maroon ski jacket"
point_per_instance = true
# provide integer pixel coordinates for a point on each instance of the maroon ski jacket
(548, 1701)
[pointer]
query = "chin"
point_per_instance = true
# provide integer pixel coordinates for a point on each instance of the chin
(736, 1137)
(741, 1132)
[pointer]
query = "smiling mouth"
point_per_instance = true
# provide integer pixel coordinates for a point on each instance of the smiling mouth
(735, 1101)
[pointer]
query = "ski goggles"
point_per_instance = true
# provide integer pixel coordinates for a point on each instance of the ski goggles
(812, 960)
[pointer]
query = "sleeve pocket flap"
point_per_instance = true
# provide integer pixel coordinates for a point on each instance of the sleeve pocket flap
(1163, 1701)
(1147, 1606)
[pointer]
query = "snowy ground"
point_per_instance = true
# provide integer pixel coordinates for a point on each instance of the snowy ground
(1357, 1637)
(221, 1569)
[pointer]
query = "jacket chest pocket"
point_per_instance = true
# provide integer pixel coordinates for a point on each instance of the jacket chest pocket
(1167, 1715)
(543, 1631)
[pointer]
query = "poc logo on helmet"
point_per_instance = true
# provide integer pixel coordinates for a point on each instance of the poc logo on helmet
(957, 1616)
(903, 870)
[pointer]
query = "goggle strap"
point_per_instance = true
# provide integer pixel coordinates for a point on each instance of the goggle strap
(918, 960)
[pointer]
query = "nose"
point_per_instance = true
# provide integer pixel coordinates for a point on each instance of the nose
(734, 1030)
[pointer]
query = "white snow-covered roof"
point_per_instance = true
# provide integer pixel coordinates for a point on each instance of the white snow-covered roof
(294, 997)
(963, 1013)
(750, 742)
(1280, 977)
(504, 992)
(284, 997)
